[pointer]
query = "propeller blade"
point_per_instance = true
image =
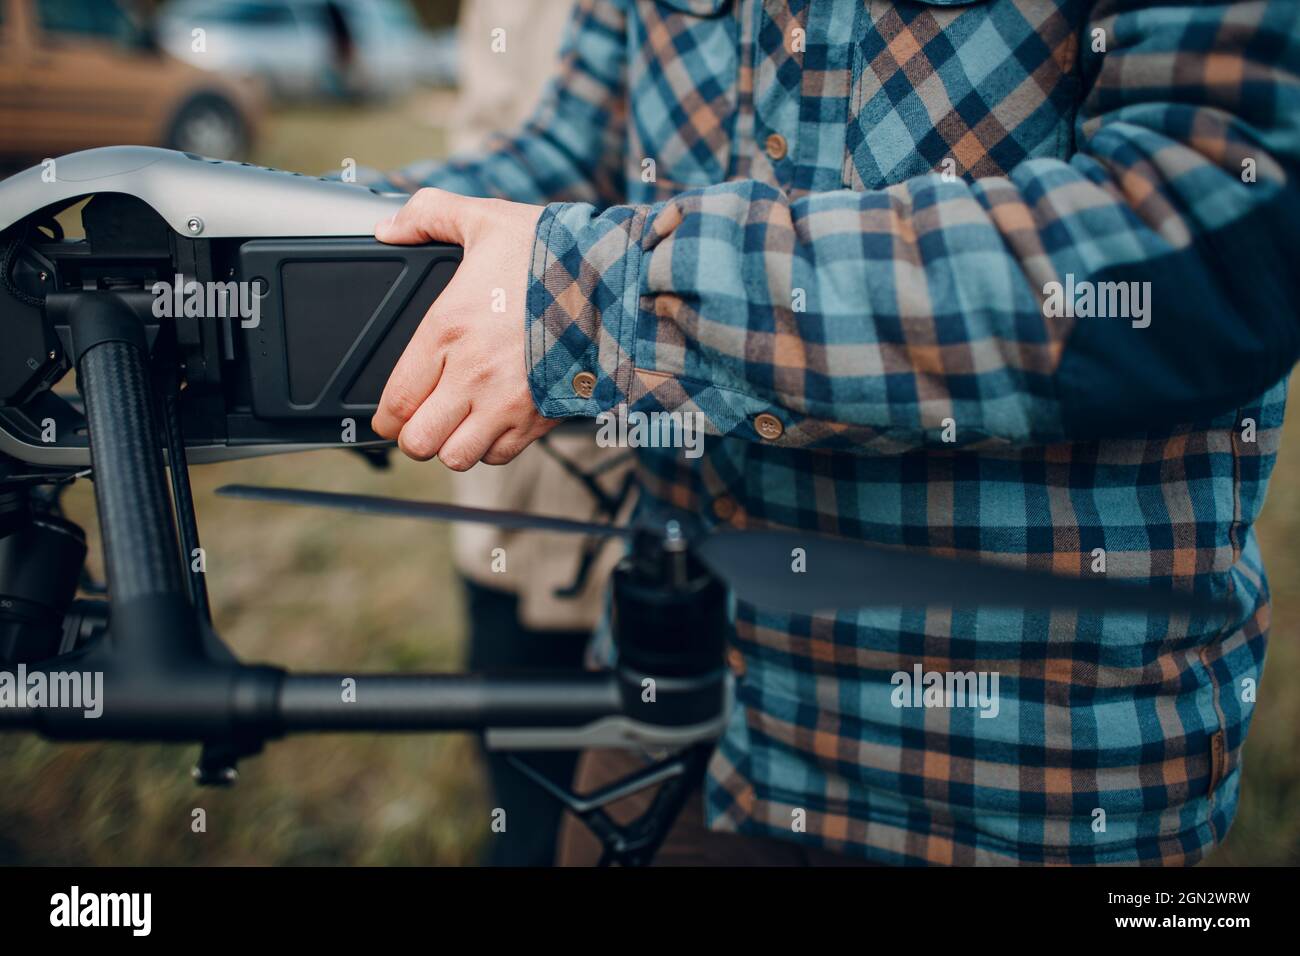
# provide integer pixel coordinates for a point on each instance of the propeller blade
(841, 573)
(428, 510)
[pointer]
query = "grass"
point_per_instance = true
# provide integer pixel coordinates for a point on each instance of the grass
(298, 589)
(317, 139)
(316, 590)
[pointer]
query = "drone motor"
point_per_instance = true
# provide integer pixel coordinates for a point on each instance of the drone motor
(41, 557)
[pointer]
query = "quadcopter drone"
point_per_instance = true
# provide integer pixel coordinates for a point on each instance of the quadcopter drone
(166, 378)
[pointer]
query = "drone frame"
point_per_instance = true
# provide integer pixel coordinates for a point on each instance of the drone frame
(169, 678)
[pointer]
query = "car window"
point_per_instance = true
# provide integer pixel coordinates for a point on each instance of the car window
(100, 18)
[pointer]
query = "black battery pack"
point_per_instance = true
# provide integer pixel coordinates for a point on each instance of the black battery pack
(332, 318)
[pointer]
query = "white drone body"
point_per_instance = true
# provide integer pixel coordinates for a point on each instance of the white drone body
(198, 197)
(335, 305)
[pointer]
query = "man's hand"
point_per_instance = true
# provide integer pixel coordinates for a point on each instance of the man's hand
(460, 390)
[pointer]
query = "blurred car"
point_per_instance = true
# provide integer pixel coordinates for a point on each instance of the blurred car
(308, 48)
(81, 73)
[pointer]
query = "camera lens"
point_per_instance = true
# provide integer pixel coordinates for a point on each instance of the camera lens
(40, 564)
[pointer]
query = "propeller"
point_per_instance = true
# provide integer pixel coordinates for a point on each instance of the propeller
(838, 573)
(429, 510)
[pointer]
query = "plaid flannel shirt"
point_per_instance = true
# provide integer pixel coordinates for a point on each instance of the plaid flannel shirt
(848, 215)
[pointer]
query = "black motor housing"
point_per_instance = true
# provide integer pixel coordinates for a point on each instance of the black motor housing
(41, 557)
(670, 622)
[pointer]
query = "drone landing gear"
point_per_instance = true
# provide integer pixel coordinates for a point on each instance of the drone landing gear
(669, 620)
(635, 843)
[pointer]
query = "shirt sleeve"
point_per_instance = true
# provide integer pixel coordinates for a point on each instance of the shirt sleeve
(571, 149)
(936, 311)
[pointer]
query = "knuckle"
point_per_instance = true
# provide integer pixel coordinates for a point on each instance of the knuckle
(399, 401)
(480, 371)
(504, 452)
(416, 443)
(435, 202)
(451, 330)
(456, 459)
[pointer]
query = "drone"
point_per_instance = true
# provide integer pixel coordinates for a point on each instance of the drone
(216, 310)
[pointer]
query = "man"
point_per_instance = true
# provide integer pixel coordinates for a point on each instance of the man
(1007, 279)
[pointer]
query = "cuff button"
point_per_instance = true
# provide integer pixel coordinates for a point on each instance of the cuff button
(768, 426)
(584, 383)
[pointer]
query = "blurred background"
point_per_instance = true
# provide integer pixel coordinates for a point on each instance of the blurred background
(306, 85)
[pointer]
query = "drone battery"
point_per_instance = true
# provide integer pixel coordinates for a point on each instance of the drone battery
(330, 318)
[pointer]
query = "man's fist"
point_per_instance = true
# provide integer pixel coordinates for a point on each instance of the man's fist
(460, 390)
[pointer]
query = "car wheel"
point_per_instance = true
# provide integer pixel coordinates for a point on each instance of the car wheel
(209, 125)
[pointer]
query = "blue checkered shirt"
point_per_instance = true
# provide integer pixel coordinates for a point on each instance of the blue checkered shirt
(1015, 280)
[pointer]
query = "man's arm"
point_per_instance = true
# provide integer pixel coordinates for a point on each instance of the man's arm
(879, 321)
(931, 300)
(571, 149)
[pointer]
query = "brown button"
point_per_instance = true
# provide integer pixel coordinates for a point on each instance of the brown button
(736, 662)
(584, 383)
(724, 507)
(769, 426)
(776, 146)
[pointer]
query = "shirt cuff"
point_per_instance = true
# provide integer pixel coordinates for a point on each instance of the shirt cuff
(583, 295)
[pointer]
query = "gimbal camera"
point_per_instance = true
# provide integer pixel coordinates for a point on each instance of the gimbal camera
(215, 310)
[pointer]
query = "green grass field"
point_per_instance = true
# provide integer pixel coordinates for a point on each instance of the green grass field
(315, 590)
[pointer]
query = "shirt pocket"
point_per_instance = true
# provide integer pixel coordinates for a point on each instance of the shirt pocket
(682, 85)
(967, 88)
